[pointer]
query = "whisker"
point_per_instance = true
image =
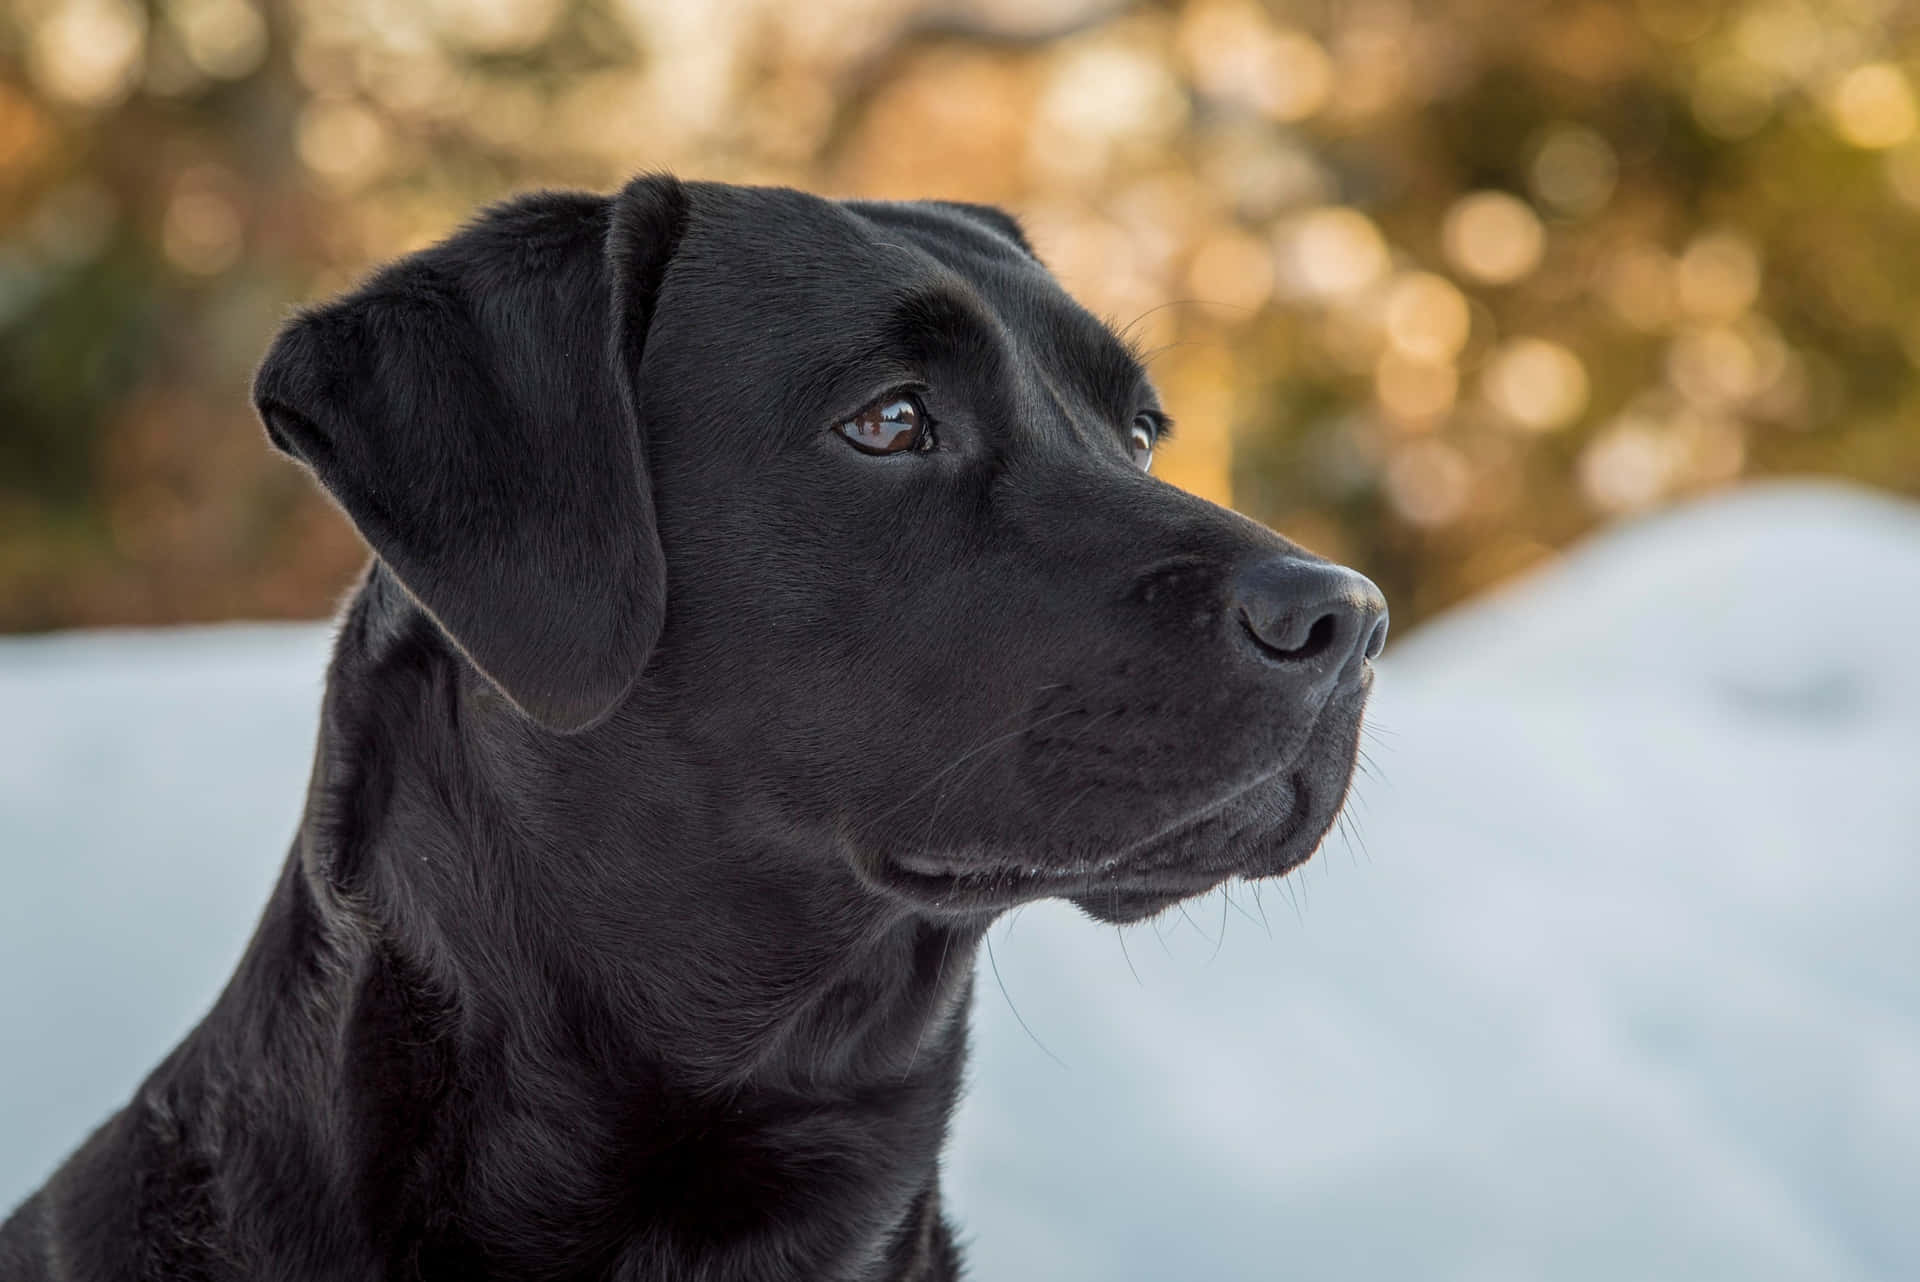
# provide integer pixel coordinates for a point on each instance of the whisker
(1372, 767)
(984, 745)
(1227, 890)
(1059, 815)
(1219, 943)
(1125, 330)
(1260, 902)
(1196, 925)
(1378, 731)
(1286, 884)
(1346, 837)
(995, 963)
(939, 973)
(1151, 354)
(1160, 934)
(1120, 933)
(933, 814)
(1361, 838)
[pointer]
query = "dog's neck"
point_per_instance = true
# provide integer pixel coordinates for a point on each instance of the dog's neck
(541, 1072)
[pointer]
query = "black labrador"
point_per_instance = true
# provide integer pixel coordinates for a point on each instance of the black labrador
(768, 592)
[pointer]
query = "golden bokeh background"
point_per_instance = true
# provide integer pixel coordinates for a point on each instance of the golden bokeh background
(1433, 288)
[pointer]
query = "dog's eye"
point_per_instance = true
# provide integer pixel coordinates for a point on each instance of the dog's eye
(1140, 439)
(890, 426)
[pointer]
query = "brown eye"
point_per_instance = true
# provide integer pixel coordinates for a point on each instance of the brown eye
(1140, 440)
(891, 426)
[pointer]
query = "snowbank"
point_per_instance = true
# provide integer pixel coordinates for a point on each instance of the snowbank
(1617, 980)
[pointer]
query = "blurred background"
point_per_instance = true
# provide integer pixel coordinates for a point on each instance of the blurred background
(1433, 288)
(1587, 322)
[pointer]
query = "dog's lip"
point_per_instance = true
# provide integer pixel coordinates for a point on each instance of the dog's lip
(960, 881)
(951, 867)
(957, 881)
(971, 886)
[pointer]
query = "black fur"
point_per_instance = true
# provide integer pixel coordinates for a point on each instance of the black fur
(675, 755)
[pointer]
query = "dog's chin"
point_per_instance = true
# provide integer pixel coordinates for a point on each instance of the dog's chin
(1123, 908)
(1213, 845)
(1272, 854)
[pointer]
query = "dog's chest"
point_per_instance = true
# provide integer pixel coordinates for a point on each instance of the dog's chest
(747, 1190)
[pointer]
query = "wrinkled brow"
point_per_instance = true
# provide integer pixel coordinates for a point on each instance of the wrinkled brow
(945, 322)
(922, 325)
(1106, 370)
(950, 322)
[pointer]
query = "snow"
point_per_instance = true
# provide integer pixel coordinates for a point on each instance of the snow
(1618, 978)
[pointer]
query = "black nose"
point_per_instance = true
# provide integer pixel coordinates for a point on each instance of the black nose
(1314, 620)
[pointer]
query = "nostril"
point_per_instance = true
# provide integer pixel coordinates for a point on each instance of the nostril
(1319, 637)
(1377, 639)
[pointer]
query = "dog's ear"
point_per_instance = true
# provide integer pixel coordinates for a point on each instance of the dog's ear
(473, 409)
(993, 216)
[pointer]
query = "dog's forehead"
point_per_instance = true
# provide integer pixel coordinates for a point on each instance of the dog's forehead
(818, 274)
(778, 235)
(983, 252)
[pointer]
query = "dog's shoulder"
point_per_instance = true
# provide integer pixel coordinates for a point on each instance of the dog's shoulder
(26, 1242)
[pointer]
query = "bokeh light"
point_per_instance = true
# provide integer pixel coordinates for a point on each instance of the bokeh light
(1872, 106)
(1428, 482)
(88, 52)
(1232, 268)
(1628, 466)
(1331, 252)
(342, 141)
(1536, 384)
(1427, 317)
(1493, 237)
(1238, 55)
(202, 229)
(224, 39)
(1718, 275)
(1574, 171)
(1413, 389)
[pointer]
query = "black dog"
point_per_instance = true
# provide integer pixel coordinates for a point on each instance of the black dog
(769, 592)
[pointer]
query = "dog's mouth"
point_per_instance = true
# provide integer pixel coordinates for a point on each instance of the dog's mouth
(1263, 827)
(1146, 878)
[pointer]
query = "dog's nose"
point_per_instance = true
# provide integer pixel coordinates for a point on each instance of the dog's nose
(1315, 620)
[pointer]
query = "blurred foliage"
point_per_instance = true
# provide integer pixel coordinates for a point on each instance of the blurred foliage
(1433, 288)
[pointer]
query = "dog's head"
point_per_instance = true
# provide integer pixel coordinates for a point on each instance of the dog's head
(855, 501)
